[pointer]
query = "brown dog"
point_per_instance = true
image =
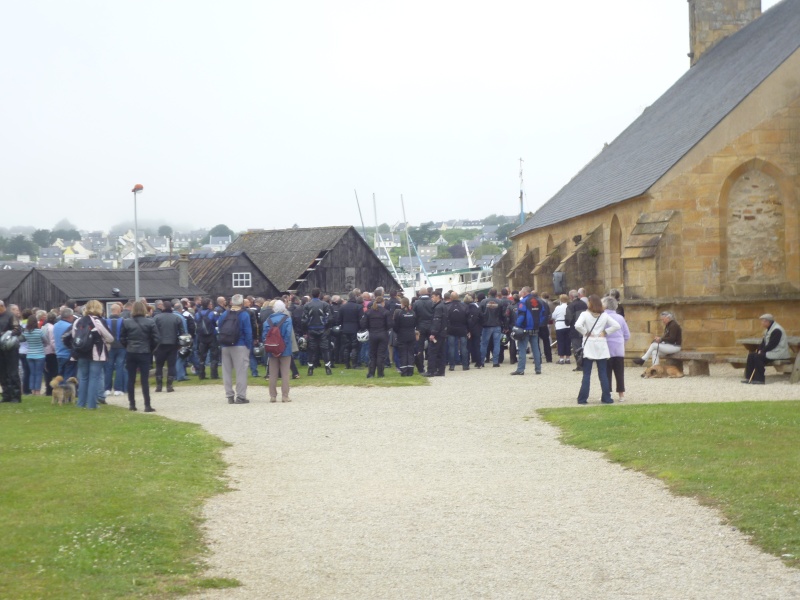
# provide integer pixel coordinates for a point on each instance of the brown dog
(63, 392)
(659, 371)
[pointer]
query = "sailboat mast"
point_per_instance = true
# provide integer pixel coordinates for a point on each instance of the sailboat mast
(521, 207)
(360, 216)
(408, 243)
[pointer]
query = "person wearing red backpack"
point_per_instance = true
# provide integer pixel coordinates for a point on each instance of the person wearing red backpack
(279, 364)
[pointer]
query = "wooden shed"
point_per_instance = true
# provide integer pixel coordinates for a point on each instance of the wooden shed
(334, 259)
(51, 288)
(219, 273)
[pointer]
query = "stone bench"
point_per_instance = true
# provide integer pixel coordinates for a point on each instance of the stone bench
(698, 361)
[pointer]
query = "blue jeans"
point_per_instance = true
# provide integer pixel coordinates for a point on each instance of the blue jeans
(180, 369)
(253, 364)
(492, 333)
(90, 379)
(115, 370)
(67, 368)
(456, 344)
(531, 338)
(602, 372)
(36, 369)
(363, 357)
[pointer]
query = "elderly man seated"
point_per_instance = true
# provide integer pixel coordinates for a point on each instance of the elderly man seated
(669, 343)
(774, 346)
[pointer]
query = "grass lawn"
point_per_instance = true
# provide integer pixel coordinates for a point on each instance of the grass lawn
(741, 457)
(340, 376)
(102, 503)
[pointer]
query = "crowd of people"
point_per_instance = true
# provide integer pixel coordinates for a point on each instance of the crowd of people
(432, 333)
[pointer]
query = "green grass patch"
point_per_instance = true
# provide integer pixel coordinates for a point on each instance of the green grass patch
(741, 457)
(102, 503)
(340, 376)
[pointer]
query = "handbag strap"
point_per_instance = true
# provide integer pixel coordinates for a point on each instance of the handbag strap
(586, 337)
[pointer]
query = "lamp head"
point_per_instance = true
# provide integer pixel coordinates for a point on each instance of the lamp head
(137, 188)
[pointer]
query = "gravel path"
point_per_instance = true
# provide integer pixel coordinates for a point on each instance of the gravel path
(458, 490)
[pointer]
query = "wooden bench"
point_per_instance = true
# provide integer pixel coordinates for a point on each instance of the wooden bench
(786, 365)
(789, 365)
(698, 361)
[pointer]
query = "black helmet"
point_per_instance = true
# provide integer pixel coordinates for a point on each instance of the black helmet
(8, 341)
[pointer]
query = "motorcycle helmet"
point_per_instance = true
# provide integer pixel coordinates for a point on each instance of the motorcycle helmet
(517, 333)
(504, 341)
(302, 343)
(258, 350)
(184, 340)
(336, 329)
(8, 341)
(362, 336)
(185, 352)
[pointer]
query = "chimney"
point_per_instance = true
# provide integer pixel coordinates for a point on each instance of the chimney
(183, 270)
(713, 20)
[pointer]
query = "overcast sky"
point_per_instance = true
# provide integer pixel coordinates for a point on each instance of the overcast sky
(264, 114)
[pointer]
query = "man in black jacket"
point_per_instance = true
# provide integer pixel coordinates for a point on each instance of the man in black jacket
(574, 309)
(348, 318)
(492, 321)
(9, 359)
(423, 310)
(475, 329)
(316, 315)
(437, 337)
(457, 332)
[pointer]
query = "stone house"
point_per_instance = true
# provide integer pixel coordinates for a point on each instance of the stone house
(695, 207)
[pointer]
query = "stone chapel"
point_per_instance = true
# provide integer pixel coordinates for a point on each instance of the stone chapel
(695, 207)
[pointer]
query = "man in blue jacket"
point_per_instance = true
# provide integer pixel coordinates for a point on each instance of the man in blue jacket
(236, 345)
(528, 317)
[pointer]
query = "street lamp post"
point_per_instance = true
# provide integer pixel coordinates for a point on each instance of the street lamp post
(137, 189)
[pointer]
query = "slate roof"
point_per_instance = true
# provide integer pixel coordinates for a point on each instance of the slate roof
(678, 120)
(80, 284)
(284, 254)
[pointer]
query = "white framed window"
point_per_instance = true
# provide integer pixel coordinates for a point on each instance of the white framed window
(242, 280)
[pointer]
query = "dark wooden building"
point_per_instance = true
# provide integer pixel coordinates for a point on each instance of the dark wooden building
(334, 259)
(218, 273)
(51, 288)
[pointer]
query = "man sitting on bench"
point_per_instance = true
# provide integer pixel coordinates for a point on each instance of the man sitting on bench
(669, 343)
(774, 346)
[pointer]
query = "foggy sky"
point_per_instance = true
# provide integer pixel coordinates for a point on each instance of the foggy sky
(266, 114)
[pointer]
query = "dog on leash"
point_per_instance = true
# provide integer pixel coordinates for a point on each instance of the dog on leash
(659, 371)
(64, 392)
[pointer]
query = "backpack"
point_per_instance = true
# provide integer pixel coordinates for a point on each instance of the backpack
(82, 340)
(111, 329)
(533, 307)
(191, 324)
(274, 343)
(229, 330)
(205, 328)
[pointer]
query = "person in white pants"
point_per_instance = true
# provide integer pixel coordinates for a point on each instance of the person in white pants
(669, 343)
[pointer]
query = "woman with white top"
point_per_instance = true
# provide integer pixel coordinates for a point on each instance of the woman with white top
(562, 330)
(594, 325)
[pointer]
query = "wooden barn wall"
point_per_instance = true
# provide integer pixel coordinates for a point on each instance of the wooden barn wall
(352, 253)
(223, 284)
(36, 290)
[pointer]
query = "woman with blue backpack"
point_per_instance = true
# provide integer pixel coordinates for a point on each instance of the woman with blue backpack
(278, 335)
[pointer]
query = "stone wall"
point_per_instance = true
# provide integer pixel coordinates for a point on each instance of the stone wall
(712, 20)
